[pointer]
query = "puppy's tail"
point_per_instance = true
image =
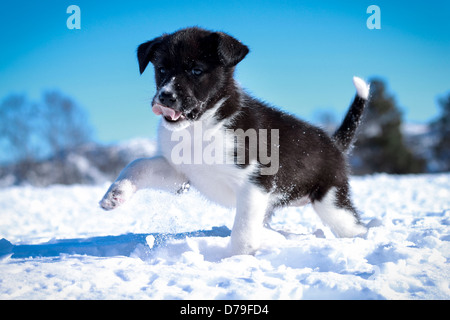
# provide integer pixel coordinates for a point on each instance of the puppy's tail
(344, 136)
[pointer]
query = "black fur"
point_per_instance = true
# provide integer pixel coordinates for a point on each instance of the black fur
(215, 53)
(345, 135)
(311, 162)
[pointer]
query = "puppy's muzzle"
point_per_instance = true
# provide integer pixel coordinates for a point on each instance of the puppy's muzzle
(165, 104)
(167, 98)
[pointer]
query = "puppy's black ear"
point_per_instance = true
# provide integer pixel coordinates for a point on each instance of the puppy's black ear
(231, 51)
(146, 52)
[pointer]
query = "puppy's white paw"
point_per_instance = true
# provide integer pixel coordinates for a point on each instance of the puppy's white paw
(243, 244)
(118, 193)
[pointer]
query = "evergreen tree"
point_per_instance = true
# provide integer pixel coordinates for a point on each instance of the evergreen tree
(380, 146)
(441, 127)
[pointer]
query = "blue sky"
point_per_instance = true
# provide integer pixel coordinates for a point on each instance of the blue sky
(303, 54)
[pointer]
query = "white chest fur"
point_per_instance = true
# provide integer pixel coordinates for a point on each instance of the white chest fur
(203, 152)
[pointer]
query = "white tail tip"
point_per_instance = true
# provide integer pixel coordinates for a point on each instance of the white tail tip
(362, 88)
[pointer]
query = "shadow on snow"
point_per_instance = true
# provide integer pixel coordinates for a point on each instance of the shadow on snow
(106, 246)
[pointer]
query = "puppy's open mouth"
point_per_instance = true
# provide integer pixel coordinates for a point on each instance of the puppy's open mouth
(169, 114)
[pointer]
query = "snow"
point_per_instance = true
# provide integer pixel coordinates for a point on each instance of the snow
(58, 244)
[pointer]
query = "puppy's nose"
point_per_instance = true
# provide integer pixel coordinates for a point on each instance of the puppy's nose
(167, 98)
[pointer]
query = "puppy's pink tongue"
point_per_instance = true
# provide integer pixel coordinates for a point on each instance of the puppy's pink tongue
(166, 112)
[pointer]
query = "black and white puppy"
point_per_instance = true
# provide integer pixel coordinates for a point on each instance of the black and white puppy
(237, 150)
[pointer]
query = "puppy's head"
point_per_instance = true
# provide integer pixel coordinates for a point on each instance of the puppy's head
(192, 69)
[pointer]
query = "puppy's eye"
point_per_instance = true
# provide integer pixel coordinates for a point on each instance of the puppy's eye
(162, 70)
(197, 72)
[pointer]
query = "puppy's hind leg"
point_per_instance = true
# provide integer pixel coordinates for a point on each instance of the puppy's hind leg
(337, 212)
(142, 173)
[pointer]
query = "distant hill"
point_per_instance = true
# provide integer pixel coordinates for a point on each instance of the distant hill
(90, 163)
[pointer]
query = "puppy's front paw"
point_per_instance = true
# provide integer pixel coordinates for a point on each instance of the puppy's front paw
(118, 193)
(112, 199)
(243, 245)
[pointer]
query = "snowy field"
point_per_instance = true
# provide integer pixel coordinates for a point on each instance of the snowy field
(58, 244)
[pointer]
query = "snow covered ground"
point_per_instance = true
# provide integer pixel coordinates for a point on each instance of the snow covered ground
(58, 244)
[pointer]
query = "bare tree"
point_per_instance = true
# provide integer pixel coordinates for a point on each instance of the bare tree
(64, 124)
(30, 132)
(18, 128)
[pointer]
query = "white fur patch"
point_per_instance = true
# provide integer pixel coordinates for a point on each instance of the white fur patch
(362, 88)
(342, 222)
(227, 177)
(251, 207)
(142, 173)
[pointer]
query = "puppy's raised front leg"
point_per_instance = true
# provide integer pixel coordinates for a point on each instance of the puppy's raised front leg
(142, 173)
(251, 207)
